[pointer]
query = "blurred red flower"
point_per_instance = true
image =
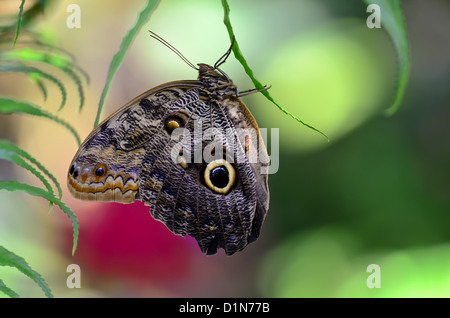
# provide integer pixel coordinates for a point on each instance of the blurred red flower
(124, 241)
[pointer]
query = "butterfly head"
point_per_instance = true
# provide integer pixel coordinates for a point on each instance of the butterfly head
(216, 82)
(96, 181)
(205, 70)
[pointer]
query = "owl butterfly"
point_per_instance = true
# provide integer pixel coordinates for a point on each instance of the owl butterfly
(189, 149)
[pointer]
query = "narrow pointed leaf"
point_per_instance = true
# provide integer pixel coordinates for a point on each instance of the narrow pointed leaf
(238, 54)
(143, 16)
(40, 83)
(8, 258)
(36, 74)
(393, 21)
(8, 291)
(8, 106)
(35, 191)
(5, 145)
(11, 156)
(19, 21)
(61, 62)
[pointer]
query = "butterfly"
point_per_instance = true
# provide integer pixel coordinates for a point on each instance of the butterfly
(189, 149)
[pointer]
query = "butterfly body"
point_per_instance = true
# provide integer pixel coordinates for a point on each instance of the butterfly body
(183, 148)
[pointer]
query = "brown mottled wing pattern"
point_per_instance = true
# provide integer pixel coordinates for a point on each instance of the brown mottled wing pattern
(177, 196)
(134, 147)
(240, 117)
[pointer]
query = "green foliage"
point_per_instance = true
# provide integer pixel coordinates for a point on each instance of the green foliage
(14, 154)
(11, 152)
(393, 21)
(8, 258)
(35, 191)
(8, 291)
(19, 21)
(28, 55)
(25, 18)
(118, 57)
(238, 54)
(8, 106)
(30, 58)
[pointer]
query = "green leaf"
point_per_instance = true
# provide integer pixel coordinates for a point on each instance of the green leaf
(393, 21)
(35, 191)
(14, 154)
(29, 16)
(9, 292)
(62, 62)
(11, 156)
(36, 74)
(77, 82)
(35, 47)
(19, 21)
(8, 106)
(5, 145)
(238, 54)
(31, 55)
(8, 258)
(40, 83)
(144, 15)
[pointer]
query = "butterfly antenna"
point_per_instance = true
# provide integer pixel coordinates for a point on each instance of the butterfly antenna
(225, 56)
(167, 44)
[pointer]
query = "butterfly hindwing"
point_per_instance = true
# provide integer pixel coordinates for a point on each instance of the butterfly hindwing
(177, 195)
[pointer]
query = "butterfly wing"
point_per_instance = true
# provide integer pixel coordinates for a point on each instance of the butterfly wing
(117, 147)
(139, 156)
(176, 190)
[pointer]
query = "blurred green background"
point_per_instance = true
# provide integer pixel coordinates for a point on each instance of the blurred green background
(377, 193)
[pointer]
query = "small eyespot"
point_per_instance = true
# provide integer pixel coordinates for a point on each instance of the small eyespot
(220, 176)
(72, 169)
(173, 122)
(99, 171)
(75, 174)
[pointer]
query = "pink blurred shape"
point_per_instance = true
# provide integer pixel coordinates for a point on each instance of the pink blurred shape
(124, 241)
